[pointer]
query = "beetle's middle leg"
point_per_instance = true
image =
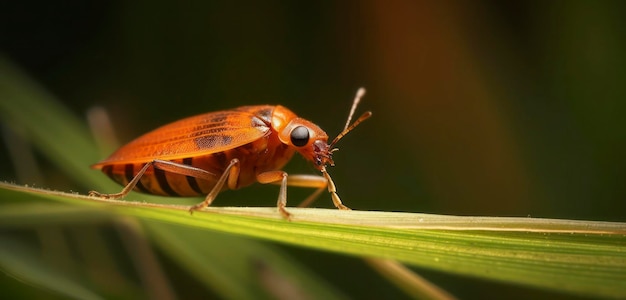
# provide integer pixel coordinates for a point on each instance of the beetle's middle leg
(231, 173)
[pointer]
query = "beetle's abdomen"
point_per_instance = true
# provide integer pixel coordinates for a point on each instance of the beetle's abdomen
(264, 154)
(158, 182)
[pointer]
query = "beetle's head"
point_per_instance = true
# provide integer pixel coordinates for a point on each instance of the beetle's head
(312, 142)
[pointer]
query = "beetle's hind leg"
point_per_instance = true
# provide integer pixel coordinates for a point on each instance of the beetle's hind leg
(168, 166)
(129, 187)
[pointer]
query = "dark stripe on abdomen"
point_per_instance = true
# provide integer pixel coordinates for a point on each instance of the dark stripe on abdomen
(193, 183)
(129, 172)
(108, 170)
(162, 180)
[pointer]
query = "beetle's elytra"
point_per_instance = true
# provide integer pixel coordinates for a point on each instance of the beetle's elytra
(230, 149)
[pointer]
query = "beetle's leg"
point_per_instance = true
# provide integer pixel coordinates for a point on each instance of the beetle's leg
(231, 173)
(308, 181)
(129, 187)
(333, 191)
(164, 165)
(182, 169)
(277, 177)
(319, 182)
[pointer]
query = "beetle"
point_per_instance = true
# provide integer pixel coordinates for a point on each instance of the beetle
(230, 149)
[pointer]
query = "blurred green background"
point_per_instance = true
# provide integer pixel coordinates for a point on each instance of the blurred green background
(480, 108)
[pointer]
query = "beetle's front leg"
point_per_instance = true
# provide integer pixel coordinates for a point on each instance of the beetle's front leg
(310, 181)
(319, 182)
(333, 191)
(278, 177)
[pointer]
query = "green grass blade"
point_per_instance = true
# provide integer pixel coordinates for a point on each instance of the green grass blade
(582, 257)
(224, 263)
(238, 268)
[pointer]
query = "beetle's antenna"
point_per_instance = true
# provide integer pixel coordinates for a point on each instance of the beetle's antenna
(359, 94)
(357, 98)
(358, 121)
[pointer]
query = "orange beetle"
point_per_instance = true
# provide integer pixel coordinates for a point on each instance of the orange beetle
(228, 149)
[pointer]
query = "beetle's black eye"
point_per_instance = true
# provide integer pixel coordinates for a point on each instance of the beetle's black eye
(299, 136)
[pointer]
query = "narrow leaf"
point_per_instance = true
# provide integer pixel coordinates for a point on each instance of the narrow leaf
(583, 257)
